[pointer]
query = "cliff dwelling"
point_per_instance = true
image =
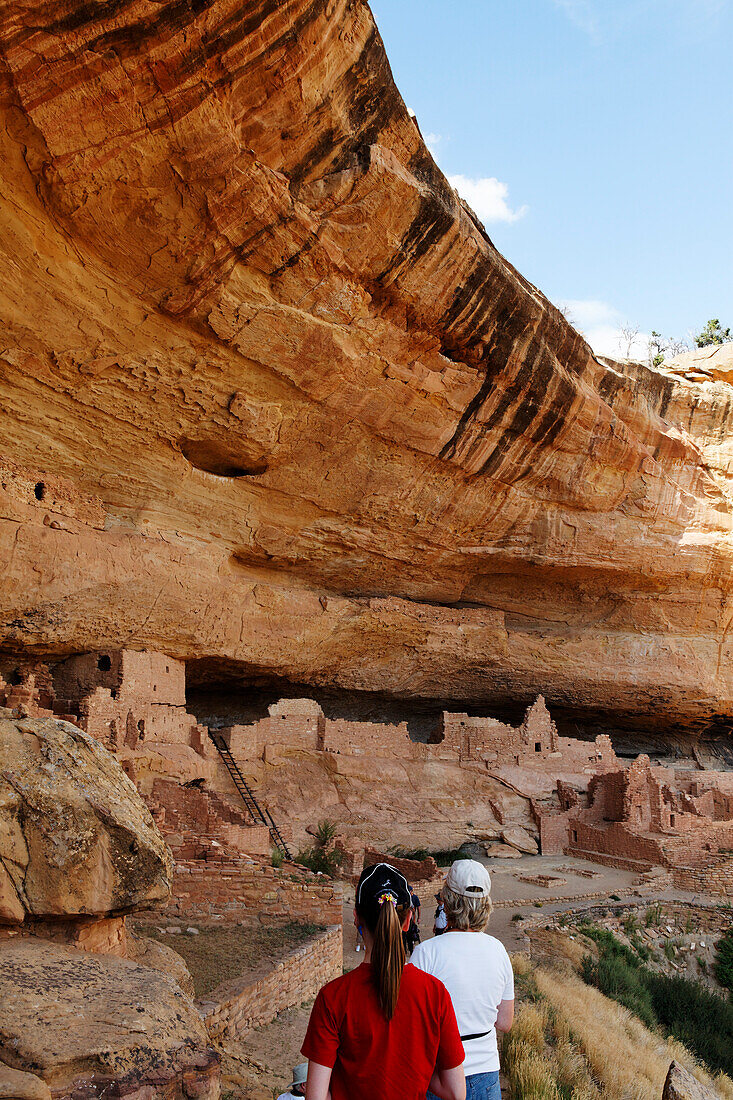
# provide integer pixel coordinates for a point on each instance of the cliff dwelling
(326, 539)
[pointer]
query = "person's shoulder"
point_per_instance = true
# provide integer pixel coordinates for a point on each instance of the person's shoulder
(496, 947)
(427, 955)
(423, 980)
(339, 986)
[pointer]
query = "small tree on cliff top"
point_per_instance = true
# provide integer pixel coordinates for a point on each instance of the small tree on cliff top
(713, 333)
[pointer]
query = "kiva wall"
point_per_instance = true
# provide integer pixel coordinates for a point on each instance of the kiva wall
(238, 1007)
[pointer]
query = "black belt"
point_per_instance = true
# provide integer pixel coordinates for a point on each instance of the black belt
(478, 1035)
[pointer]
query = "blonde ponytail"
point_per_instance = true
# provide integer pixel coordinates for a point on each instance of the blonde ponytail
(388, 956)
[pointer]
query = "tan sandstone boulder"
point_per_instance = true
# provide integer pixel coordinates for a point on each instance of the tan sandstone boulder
(158, 956)
(520, 839)
(76, 839)
(502, 851)
(81, 1021)
(15, 1084)
(681, 1085)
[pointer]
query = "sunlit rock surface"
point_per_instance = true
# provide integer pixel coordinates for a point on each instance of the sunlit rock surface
(76, 839)
(273, 400)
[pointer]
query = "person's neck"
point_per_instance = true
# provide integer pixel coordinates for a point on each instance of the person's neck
(368, 944)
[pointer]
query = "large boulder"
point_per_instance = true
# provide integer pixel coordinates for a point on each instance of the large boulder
(520, 839)
(17, 1085)
(681, 1085)
(76, 839)
(84, 1022)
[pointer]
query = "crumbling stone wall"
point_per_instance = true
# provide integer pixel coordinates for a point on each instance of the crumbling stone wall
(242, 1005)
(243, 889)
(414, 870)
(643, 814)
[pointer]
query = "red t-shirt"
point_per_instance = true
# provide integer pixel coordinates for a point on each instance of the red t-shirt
(376, 1059)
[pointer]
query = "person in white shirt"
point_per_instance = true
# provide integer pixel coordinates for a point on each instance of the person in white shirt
(296, 1091)
(477, 972)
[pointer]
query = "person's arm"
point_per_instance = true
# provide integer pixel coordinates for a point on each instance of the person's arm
(505, 1016)
(319, 1080)
(449, 1084)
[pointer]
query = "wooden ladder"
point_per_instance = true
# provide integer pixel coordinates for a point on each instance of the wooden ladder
(260, 815)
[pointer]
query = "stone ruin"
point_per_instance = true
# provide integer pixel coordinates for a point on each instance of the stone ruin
(134, 703)
(583, 801)
(644, 816)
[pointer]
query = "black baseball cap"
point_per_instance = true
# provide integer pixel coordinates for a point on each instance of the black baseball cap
(380, 884)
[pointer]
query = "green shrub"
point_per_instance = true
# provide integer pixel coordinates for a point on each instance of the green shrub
(277, 858)
(680, 1007)
(653, 915)
(723, 968)
(322, 856)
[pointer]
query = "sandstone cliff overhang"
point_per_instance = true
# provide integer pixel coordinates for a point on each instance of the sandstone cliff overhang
(272, 399)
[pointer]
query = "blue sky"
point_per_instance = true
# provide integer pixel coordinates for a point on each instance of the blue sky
(594, 137)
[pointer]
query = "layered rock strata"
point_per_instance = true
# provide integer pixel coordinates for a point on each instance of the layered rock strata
(272, 398)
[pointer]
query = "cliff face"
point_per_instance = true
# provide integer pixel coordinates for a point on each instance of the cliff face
(273, 400)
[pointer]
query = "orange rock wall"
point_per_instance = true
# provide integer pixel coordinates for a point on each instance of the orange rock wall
(272, 399)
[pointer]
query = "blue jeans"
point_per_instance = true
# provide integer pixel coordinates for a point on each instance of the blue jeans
(480, 1086)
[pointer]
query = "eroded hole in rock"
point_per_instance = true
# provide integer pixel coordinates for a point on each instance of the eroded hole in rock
(40, 490)
(214, 457)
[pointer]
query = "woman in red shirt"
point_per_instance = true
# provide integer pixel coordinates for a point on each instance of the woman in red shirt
(385, 1031)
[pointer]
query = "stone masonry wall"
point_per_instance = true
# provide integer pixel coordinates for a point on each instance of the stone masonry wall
(716, 878)
(247, 890)
(238, 1007)
(414, 870)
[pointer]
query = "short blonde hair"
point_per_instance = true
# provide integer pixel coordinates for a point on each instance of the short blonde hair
(465, 913)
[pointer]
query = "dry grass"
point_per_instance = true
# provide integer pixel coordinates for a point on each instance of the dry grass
(569, 1042)
(623, 1058)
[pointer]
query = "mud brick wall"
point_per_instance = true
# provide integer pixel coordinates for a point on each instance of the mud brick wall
(297, 729)
(238, 1007)
(554, 833)
(414, 870)
(700, 848)
(249, 891)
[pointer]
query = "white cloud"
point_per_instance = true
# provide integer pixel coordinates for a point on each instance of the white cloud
(582, 13)
(602, 325)
(488, 197)
(600, 19)
(433, 141)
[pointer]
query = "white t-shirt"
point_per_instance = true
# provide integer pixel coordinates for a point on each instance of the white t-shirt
(477, 972)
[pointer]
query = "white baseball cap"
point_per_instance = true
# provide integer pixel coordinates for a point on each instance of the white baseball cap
(469, 878)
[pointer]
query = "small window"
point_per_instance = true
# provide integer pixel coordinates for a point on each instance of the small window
(155, 687)
(167, 669)
(39, 490)
(104, 664)
(574, 836)
(538, 746)
(671, 820)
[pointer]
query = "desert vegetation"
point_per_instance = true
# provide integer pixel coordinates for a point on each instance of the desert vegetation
(678, 1007)
(571, 1042)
